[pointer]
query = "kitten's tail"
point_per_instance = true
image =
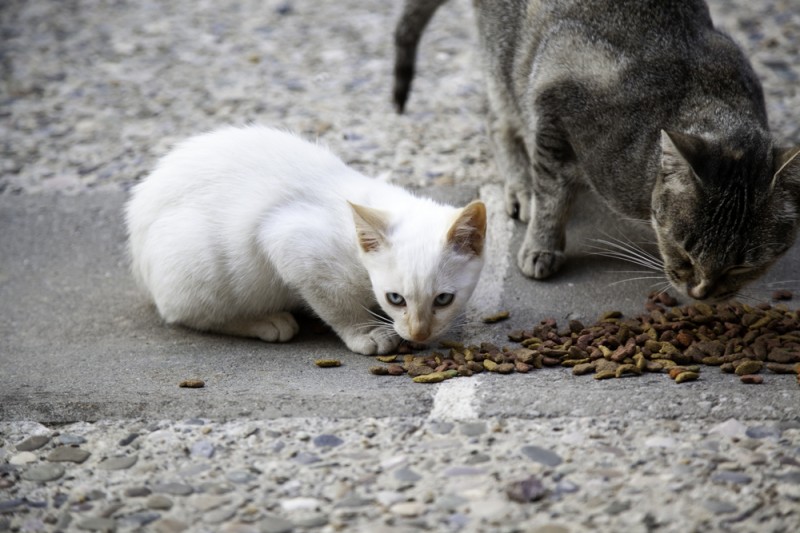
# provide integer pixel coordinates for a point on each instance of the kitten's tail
(407, 34)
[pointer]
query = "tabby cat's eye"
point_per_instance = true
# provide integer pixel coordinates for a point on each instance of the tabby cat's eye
(395, 299)
(444, 299)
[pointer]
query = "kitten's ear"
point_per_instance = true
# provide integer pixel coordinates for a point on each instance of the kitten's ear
(787, 167)
(680, 149)
(371, 227)
(468, 232)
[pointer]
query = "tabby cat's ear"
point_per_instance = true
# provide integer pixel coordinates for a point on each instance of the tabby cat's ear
(681, 149)
(787, 167)
(371, 227)
(468, 232)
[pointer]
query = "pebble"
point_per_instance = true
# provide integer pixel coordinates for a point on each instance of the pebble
(327, 441)
(43, 472)
(407, 475)
(730, 428)
(202, 448)
(541, 455)
(473, 429)
(300, 504)
(720, 507)
(137, 492)
(32, 443)
(97, 524)
(763, 432)
(175, 489)
(118, 463)
(68, 454)
(275, 524)
(407, 509)
(128, 439)
(526, 490)
(305, 458)
(22, 458)
(68, 439)
(159, 502)
(139, 519)
(311, 520)
(737, 478)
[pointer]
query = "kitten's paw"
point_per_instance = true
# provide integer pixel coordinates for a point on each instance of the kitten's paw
(374, 342)
(539, 264)
(518, 201)
(277, 327)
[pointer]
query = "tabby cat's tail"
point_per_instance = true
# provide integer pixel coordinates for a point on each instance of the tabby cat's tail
(415, 17)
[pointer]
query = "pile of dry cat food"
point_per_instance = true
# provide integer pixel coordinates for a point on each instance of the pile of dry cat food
(739, 338)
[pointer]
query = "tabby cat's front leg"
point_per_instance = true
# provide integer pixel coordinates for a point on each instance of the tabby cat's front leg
(553, 185)
(512, 161)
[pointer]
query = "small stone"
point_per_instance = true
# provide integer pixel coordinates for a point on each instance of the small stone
(477, 458)
(551, 528)
(305, 458)
(170, 525)
(218, 516)
(353, 501)
(22, 458)
(175, 489)
(541, 455)
(720, 507)
(68, 439)
(97, 524)
(763, 432)
(660, 442)
(140, 519)
(10, 504)
(406, 475)
(311, 520)
(463, 471)
(239, 476)
(33, 443)
(43, 472)
(300, 504)
(202, 448)
(128, 439)
(137, 492)
(618, 507)
(68, 454)
(526, 490)
(407, 509)
(118, 463)
(327, 441)
(275, 524)
(473, 429)
(159, 502)
(441, 428)
(737, 478)
(730, 428)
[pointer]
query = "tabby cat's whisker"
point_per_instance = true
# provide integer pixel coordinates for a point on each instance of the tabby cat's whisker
(634, 279)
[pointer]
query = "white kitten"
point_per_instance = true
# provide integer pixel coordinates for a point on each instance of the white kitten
(237, 228)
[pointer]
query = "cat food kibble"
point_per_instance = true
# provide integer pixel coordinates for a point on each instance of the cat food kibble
(739, 338)
(192, 384)
(327, 363)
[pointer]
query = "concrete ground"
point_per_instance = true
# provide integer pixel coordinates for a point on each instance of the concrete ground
(92, 93)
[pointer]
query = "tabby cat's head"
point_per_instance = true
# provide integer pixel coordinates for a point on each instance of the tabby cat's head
(423, 265)
(723, 216)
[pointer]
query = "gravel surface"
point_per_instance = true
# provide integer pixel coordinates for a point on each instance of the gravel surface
(93, 92)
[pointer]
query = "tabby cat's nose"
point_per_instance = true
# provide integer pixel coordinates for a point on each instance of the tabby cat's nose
(699, 291)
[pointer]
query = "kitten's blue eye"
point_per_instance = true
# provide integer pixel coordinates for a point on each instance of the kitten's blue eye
(395, 299)
(444, 299)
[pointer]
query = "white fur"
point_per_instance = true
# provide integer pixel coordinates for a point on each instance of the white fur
(238, 227)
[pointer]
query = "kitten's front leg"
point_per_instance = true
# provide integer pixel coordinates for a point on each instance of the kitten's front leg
(360, 330)
(275, 327)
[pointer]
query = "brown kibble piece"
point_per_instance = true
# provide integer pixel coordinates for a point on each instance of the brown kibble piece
(686, 376)
(752, 379)
(327, 363)
(192, 384)
(782, 295)
(497, 317)
(379, 370)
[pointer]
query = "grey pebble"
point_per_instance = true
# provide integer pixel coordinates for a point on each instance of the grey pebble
(353, 501)
(736, 478)
(451, 502)
(311, 520)
(159, 502)
(137, 492)
(128, 439)
(305, 458)
(239, 476)
(97, 524)
(792, 478)
(442, 428)
(477, 458)
(175, 489)
(68, 454)
(407, 475)
(139, 519)
(43, 472)
(33, 443)
(69, 439)
(118, 463)
(464, 471)
(719, 507)
(217, 516)
(202, 448)
(763, 432)
(565, 486)
(275, 524)
(194, 470)
(327, 441)
(541, 455)
(526, 490)
(10, 504)
(473, 429)
(618, 507)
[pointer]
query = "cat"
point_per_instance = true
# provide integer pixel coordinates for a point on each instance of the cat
(237, 228)
(648, 105)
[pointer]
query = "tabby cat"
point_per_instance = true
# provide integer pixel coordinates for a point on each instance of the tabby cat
(648, 105)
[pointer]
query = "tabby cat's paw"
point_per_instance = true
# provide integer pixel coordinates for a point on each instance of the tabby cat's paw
(374, 342)
(518, 201)
(539, 264)
(277, 327)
